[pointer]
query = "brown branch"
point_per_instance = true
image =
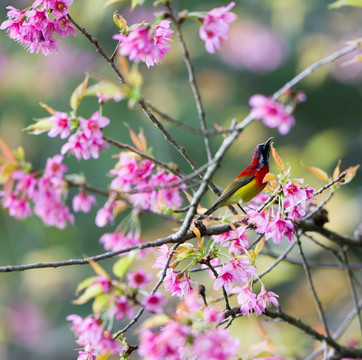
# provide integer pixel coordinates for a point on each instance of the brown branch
(312, 288)
(215, 230)
(343, 351)
(192, 78)
(328, 59)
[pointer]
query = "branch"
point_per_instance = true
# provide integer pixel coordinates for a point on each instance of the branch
(328, 59)
(330, 235)
(155, 288)
(343, 351)
(192, 78)
(215, 230)
(311, 286)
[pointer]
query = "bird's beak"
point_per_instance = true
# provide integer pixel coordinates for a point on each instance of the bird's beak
(267, 145)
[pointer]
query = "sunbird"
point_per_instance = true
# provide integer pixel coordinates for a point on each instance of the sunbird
(248, 183)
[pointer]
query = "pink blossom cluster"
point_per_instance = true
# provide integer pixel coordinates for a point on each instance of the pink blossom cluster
(272, 113)
(239, 271)
(93, 337)
(149, 188)
(193, 334)
(47, 193)
(277, 226)
(87, 141)
(141, 44)
(34, 27)
(251, 303)
(236, 240)
(118, 240)
(215, 26)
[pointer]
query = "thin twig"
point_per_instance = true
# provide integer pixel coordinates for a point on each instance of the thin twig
(338, 333)
(214, 230)
(127, 147)
(343, 351)
(192, 78)
(153, 291)
(328, 59)
(353, 289)
(311, 286)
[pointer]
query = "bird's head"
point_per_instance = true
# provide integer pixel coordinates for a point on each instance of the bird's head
(262, 152)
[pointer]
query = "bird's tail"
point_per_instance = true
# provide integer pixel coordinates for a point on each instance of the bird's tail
(208, 212)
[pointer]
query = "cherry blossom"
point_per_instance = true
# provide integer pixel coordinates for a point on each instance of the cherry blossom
(215, 26)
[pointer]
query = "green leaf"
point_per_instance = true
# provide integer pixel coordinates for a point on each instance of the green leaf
(78, 94)
(100, 303)
(122, 265)
(85, 283)
(340, 3)
(90, 292)
(106, 88)
(41, 126)
(111, 2)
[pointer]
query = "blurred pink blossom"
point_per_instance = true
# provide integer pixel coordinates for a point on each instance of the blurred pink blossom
(254, 47)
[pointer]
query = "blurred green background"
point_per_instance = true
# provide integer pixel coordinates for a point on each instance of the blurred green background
(270, 43)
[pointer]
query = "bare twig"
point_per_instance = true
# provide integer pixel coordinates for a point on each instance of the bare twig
(328, 59)
(155, 288)
(192, 78)
(311, 286)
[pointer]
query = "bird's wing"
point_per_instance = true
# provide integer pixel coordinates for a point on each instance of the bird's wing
(234, 186)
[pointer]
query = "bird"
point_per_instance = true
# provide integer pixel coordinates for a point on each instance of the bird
(249, 183)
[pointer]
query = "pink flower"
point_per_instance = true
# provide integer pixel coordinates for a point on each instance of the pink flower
(178, 284)
(118, 240)
(225, 278)
(141, 45)
(91, 334)
(83, 202)
(92, 127)
(154, 303)
(259, 219)
(18, 207)
(236, 240)
(61, 125)
(139, 279)
(53, 212)
(104, 216)
(215, 26)
(295, 213)
(277, 228)
(162, 253)
(121, 308)
(104, 281)
(34, 27)
(87, 354)
(169, 344)
(294, 194)
(60, 7)
(167, 197)
(264, 299)
(216, 344)
(54, 167)
(212, 315)
(161, 39)
(272, 113)
(246, 299)
(64, 27)
(26, 183)
(77, 145)
(15, 22)
(254, 47)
